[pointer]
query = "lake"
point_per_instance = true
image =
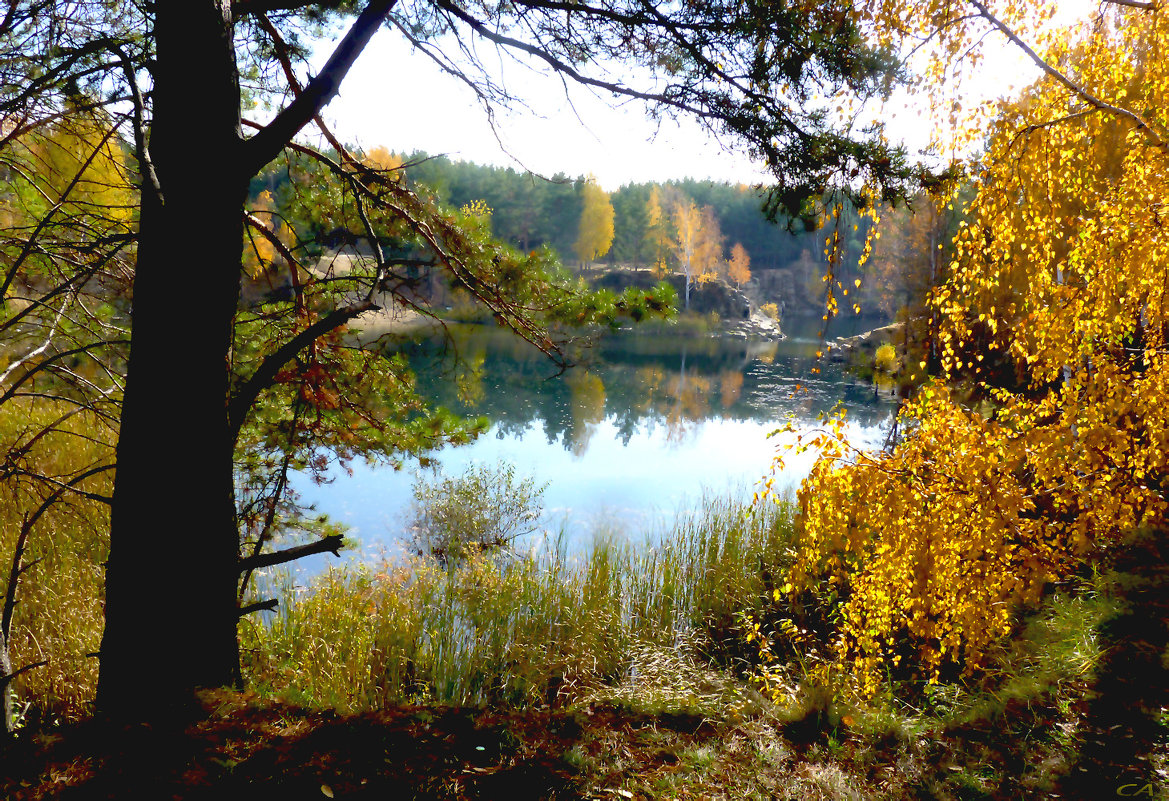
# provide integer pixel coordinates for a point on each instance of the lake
(636, 432)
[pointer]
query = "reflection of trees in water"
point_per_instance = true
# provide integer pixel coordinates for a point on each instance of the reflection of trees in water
(635, 382)
(689, 395)
(588, 408)
(730, 387)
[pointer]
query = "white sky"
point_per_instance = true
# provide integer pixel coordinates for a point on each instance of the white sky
(400, 99)
(397, 98)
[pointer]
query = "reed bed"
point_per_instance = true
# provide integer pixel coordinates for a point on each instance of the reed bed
(543, 628)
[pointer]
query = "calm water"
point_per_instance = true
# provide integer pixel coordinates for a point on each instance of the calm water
(632, 435)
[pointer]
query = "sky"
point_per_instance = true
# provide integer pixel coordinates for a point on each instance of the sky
(584, 134)
(398, 98)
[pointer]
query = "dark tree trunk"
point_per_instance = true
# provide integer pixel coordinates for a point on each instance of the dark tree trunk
(171, 578)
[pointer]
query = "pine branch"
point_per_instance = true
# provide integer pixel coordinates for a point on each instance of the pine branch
(330, 544)
(265, 145)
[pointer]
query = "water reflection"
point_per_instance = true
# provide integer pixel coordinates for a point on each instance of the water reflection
(633, 433)
(636, 382)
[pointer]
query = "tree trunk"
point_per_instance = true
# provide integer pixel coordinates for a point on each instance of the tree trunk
(171, 578)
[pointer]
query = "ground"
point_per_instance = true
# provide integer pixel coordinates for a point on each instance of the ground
(1099, 731)
(243, 744)
(239, 744)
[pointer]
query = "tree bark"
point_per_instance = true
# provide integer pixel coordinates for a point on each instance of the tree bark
(173, 529)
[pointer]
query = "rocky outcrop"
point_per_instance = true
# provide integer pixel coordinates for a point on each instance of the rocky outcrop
(867, 342)
(757, 326)
(728, 302)
(796, 288)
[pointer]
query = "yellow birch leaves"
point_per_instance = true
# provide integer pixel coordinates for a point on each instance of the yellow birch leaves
(596, 223)
(1062, 270)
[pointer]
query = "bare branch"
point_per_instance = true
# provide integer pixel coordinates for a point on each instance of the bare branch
(269, 605)
(330, 544)
(258, 225)
(13, 581)
(49, 362)
(562, 66)
(1133, 4)
(141, 149)
(6, 680)
(1076, 89)
(264, 146)
(247, 8)
(68, 486)
(37, 351)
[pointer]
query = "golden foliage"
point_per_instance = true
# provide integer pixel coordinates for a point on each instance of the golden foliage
(384, 160)
(596, 223)
(739, 265)
(78, 162)
(1060, 278)
(697, 243)
(885, 359)
(261, 252)
(730, 384)
(588, 408)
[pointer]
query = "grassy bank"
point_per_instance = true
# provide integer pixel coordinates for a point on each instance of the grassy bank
(626, 670)
(1025, 728)
(530, 630)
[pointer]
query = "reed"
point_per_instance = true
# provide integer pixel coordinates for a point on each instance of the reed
(542, 628)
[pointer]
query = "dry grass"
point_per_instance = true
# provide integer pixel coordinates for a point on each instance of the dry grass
(541, 629)
(58, 616)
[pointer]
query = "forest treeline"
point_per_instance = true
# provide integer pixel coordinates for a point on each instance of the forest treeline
(530, 211)
(698, 229)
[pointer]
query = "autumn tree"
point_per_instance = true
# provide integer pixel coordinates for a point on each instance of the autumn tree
(596, 223)
(236, 382)
(697, 244)
(710, 247)
(658, 236)
(739, 265)
(687, 236)
(1060, 269)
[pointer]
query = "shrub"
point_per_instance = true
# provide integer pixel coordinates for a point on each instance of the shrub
(484, 510)
(885, 359)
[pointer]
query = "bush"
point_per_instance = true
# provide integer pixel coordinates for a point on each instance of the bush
(484, 510)
(885, 359)
(771, 310)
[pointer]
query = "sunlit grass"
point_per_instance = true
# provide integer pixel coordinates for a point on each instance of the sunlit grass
(58, 614)
(538, 629)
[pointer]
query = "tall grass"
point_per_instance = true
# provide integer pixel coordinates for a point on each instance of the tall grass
(538, 629)
(58, 615)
